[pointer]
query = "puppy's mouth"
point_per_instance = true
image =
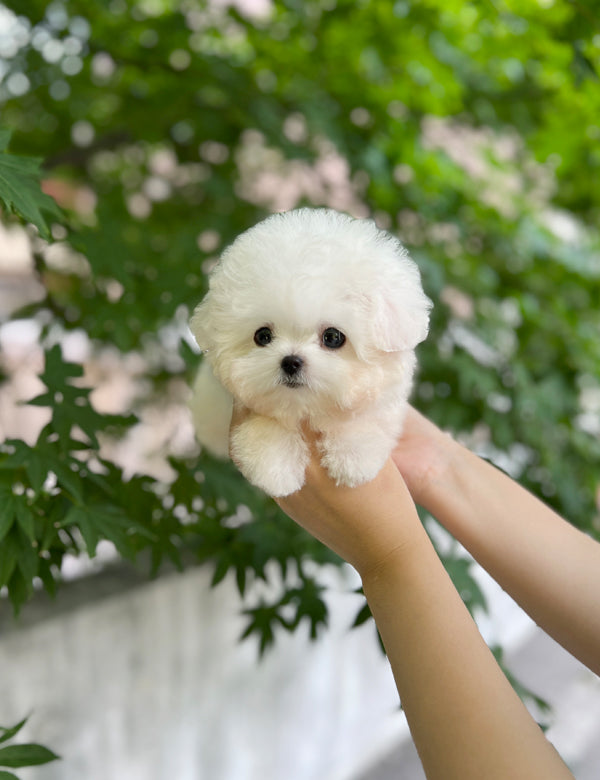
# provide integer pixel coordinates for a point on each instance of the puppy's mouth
(291, 381)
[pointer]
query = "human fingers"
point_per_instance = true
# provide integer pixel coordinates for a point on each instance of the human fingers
(422, 453)
(361, 524)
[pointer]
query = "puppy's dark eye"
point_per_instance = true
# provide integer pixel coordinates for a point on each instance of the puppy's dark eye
(263, 336)
(333, 338)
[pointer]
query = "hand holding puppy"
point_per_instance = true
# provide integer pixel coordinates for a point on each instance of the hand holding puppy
(360, 524)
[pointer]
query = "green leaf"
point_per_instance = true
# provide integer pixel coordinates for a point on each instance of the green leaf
(37, 470)
(262, 621)
(57, 370)
(8, 511)
(28, 558)
(81, 518)
(20, 190)
(220, 572)
(106, 521)
(27, 754)
(11, 731)
(19, 589)
(71, 406)
(7, 775)
(9, 555)
(362, 616)
(26, 519)
(69, 480)
(307, 598)
(240, 578)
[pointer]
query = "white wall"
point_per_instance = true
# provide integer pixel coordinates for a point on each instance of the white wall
(137, 680)
(152, 683)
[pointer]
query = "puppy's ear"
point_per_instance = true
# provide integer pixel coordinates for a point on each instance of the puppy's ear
(200, 324)
(400, 318)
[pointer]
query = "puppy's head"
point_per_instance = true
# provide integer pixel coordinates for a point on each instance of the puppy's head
(311, 310)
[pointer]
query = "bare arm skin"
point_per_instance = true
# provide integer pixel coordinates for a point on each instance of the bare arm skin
(549, 567)
(466, 721)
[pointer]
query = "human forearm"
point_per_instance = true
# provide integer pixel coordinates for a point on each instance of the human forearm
(464, 717)
(466, 720)
(550, 568)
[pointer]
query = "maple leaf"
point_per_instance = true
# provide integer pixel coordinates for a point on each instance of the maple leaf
(20, 191)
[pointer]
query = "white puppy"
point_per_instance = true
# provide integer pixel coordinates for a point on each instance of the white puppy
(311, 317)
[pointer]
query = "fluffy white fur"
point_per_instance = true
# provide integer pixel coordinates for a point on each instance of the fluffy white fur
(300, 273)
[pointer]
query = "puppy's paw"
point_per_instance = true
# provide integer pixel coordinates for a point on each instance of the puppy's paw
(269, 456)
(355, 462)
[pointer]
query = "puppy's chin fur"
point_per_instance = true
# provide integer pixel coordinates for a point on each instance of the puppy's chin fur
(299, 274)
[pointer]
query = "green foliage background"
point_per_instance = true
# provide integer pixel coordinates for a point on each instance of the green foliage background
(471, 129)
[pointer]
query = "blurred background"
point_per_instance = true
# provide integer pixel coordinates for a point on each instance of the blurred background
(159, 617)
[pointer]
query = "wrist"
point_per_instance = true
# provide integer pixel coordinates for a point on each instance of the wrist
(442, 473)
(375, 570)
(448, 493)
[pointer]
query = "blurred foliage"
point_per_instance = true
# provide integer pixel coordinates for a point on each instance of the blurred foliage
(168, 126)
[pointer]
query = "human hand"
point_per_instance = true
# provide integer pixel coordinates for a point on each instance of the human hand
(422, 455)
(365, 525)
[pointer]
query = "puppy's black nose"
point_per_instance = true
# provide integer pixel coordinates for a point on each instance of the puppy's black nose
(291, 364)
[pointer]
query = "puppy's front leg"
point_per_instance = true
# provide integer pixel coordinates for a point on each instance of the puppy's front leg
(354, 453)
(270, 456)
